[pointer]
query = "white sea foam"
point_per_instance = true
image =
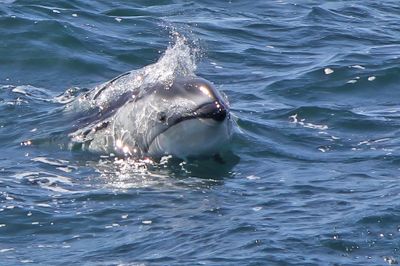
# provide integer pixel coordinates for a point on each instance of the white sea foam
(6, 250)
(50, 181)
(127, 173)
(328, 71)
(358, 67)
(302, 122)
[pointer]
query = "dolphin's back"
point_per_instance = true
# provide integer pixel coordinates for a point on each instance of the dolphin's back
(95, 111)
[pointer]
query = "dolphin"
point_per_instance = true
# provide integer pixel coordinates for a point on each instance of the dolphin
(185, 117)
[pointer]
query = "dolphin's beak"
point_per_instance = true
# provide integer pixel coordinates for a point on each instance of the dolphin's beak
(214, 110)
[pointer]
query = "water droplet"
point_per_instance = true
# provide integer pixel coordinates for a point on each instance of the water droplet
(126, 150)
(390, 260)
(256, 209)
(358, 67)
(6, 250)
(252, 177)
(26, 143)
(323, 149)
(119, 143)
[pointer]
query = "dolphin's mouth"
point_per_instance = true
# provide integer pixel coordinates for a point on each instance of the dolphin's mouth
(214, 111)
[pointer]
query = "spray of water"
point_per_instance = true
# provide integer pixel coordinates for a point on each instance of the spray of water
(179, 60)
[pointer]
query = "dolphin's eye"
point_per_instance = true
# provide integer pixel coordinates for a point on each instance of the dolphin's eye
(162, 117)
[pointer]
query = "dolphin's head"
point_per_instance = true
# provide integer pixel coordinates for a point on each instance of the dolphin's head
(187, 118)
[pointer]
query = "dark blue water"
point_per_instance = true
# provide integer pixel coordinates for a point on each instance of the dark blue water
(314, 179)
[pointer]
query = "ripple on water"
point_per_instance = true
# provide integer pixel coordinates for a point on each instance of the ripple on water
(313, 178)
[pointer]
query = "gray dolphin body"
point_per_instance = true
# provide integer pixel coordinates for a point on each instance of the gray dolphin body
(186, 117)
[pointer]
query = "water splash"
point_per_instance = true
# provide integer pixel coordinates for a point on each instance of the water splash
(128, 173)
(179, 60)
(47, 180)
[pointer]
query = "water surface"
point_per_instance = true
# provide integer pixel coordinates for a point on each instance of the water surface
(314, 177)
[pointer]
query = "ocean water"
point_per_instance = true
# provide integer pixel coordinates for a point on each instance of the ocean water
(313, 174)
